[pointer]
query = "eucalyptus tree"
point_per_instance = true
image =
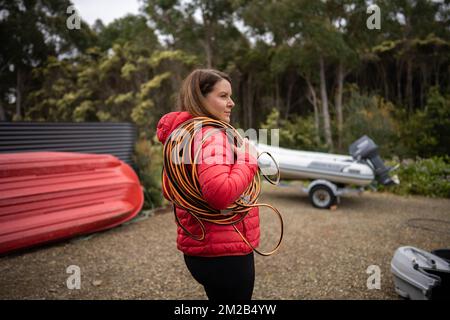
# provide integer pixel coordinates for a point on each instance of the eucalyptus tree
(30, 31)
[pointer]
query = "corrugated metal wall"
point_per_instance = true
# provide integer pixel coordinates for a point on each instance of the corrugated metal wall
(117, 139)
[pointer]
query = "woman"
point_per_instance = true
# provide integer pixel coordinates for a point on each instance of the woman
(223, 263)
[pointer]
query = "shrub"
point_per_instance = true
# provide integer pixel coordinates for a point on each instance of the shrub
(148, 159)
(428, 177)
(296, 133)
(426, 133)
(372, 116)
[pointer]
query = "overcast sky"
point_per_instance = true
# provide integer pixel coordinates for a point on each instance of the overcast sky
(106, 10)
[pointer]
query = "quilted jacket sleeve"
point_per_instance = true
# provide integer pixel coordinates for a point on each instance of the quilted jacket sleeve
(222, 178)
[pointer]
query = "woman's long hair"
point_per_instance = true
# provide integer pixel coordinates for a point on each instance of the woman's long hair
(195, 87)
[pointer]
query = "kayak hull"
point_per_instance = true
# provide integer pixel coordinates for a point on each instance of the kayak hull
(49, 196)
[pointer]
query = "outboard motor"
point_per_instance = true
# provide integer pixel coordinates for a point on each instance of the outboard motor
(365, 149)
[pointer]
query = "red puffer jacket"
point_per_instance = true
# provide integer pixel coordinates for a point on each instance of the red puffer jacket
(222, 182)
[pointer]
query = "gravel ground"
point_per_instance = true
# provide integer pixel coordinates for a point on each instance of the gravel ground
(324, 254)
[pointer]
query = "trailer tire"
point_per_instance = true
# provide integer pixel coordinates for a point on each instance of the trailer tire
(322, 197)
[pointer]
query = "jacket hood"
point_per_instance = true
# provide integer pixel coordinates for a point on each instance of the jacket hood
(169, 122)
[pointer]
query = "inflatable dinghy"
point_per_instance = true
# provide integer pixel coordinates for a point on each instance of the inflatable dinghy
(329, 173)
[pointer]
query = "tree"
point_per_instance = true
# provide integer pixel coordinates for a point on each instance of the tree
(131, 29)
(115, 86)
(30, 31)
(305, 28)
(197, 26)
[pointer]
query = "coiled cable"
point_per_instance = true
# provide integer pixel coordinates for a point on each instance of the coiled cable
(183, 187)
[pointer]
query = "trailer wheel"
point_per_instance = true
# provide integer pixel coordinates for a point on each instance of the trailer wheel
(322, 197)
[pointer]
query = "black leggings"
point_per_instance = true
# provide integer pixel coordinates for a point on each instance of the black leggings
(224, 278)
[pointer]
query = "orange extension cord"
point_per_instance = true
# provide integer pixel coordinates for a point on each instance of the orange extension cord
(184, 189)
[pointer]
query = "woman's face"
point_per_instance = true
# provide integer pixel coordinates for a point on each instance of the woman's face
(218, 101)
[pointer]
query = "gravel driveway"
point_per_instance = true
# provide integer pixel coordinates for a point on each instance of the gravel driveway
(324, 254)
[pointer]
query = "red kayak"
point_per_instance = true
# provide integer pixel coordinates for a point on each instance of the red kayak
(48, 196)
